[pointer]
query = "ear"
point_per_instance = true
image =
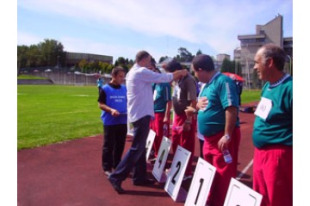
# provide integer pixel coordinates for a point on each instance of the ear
(269, 62)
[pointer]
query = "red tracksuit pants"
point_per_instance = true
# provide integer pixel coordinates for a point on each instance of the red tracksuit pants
(157, 125)
(224, 171)
(273, 175)
(185, 139)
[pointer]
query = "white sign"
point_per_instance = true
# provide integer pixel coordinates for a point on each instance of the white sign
(263, 108)
(241, 195)
(149, 143)
(201, 183)
(176, 173)
(161, 159)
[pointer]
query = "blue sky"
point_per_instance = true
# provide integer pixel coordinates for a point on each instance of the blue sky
(122, 28)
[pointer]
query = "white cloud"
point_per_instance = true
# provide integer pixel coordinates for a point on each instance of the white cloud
(198, 21)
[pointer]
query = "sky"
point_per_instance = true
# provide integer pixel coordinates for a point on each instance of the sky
(122, 28)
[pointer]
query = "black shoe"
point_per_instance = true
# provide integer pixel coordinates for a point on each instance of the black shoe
(144, 182)
(117, 186)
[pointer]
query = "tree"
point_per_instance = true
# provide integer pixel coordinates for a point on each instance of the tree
(198, 52)
(227, 66)
(185, 55)
(52, 52)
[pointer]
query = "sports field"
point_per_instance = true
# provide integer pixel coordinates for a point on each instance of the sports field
(55, 113)
(49, 114)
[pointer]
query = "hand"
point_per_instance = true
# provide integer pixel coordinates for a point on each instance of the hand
(189, 111)
(114, 113)
(186, 127)
(223, 143)
(202, 103)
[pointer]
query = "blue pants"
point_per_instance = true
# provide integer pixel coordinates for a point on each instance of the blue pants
(136, 156)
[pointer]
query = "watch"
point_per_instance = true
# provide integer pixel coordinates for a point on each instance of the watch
(227, 136)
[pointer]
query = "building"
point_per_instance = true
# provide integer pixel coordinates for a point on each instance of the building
(271, 32)
(73, 58)
(219, 60)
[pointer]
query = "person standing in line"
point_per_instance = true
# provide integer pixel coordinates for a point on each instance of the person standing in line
(218, 122)
(140, 107)
(162, 107)
(273, 129)
(113, 103)
(183, 128)
(100, 83)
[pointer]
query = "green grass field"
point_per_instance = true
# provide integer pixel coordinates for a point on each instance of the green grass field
(49, 114)
(23, 76)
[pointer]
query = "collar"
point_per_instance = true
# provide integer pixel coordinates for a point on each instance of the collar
(282, 79)
(214, 76)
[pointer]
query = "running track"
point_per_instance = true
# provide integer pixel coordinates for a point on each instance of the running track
(70, 174)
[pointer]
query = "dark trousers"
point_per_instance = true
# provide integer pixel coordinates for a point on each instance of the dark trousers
(136, 156)
(113, 145)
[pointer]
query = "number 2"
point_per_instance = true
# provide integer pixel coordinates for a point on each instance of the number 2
(175, 174)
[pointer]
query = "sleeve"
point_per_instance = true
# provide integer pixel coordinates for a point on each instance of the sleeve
(150, 76)
(228, 94)
(102, 97)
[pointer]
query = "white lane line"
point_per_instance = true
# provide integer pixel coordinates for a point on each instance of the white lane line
(245, 170)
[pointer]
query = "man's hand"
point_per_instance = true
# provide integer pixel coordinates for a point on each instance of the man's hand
(202, 103)
(190, 111)
(114, 113)
(223, 143)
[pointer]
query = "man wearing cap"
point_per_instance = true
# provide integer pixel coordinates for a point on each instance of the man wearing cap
(183, 128)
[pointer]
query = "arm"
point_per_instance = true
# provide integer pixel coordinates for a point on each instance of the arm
(179, 73)
(230, 122)
(106, 108)
(167, 113)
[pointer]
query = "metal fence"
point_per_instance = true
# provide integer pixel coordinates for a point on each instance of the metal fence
(72, 78)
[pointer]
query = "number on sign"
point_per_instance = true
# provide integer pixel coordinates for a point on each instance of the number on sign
(161, 158)
(175, 174)
(201, 183)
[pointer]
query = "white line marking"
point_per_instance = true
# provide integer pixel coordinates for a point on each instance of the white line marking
(245, 170)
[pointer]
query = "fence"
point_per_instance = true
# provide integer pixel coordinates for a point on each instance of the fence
(71, 78)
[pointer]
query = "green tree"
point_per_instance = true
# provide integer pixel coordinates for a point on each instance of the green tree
(184, 55)
(52, 52)
(198, 52)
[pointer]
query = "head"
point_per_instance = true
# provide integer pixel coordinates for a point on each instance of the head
(118, 75)
(203, 67)
(268, 60)
(153, 65)
(143, 59)
(173, 66)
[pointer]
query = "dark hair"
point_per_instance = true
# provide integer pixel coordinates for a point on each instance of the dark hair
(153, 62)
(173, 66)
(203, 62)
(141, 55)
(276, 53)
(117, 70)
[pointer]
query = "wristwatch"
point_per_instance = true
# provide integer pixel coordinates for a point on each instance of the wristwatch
(227, 136)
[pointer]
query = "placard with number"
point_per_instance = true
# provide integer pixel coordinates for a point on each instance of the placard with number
(149, 143)
(240, 194)
(161, 159)
(176, 173)
(201, 183)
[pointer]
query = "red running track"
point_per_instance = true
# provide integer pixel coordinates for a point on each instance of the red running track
(70, 173)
